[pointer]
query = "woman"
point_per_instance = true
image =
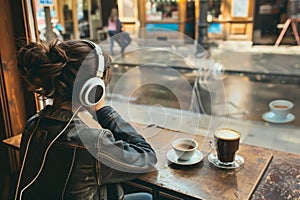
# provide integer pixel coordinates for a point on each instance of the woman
(63, 158)
(114, 27)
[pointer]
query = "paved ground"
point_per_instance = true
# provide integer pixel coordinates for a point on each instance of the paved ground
(233, 55)
(263, 59)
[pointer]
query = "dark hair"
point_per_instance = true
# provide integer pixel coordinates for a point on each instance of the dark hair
(50, 70)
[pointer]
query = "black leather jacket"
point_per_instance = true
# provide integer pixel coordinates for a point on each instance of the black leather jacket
(83, 163)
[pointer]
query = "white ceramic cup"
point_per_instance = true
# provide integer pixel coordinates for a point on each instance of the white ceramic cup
(281, 108)
(185, 148)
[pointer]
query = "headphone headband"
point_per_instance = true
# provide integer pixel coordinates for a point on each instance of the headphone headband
(100, 56)
(92, 91)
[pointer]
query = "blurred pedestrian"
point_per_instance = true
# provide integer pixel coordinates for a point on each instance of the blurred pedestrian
(114, 27)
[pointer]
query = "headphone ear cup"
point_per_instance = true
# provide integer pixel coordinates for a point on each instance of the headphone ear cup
(92, 91)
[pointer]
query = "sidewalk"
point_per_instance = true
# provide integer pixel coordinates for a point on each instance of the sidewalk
(242, 56)
(236, 56)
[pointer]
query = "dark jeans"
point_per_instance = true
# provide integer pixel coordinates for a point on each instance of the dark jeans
(111, 38)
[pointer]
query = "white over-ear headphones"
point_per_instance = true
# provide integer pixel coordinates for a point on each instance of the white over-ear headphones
(93, 89)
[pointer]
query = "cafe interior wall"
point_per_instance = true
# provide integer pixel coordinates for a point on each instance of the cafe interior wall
(16, 103)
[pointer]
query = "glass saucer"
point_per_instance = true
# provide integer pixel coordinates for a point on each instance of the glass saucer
(239, 161)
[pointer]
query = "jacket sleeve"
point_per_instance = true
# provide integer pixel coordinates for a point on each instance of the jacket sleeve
(121, 149)
(119, 26)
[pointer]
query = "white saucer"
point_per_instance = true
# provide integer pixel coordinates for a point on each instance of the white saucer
(197, 157)
(270, 117)
(239, 161)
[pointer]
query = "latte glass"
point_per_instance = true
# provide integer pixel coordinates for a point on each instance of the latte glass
(226, 143)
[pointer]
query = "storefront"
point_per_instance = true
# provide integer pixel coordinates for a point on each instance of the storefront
(153, 15)
(227, 19)
(259, 21)
(270, 17)
(230, 19)
(74, 19)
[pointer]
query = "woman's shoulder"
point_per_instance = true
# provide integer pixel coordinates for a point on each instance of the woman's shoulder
(31, 120)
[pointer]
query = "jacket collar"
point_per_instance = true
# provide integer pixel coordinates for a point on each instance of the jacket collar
(56, 113)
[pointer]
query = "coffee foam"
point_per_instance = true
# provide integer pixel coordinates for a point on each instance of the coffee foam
(227, 134)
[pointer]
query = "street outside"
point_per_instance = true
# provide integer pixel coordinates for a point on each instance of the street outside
(251, 80)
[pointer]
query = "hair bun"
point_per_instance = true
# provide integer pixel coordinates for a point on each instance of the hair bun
(31, 56)
(40, 65)
(57, 55)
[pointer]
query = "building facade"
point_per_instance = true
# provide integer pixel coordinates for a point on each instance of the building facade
(259, 21)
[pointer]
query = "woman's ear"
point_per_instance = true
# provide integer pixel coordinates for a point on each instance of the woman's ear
(107, 74)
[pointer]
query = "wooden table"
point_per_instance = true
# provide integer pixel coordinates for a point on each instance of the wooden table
(266, 174)
(203, 180)
(281, 179)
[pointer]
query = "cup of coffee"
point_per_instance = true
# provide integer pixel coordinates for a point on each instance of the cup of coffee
(281, 108)
(185, 148)
(226, 143)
